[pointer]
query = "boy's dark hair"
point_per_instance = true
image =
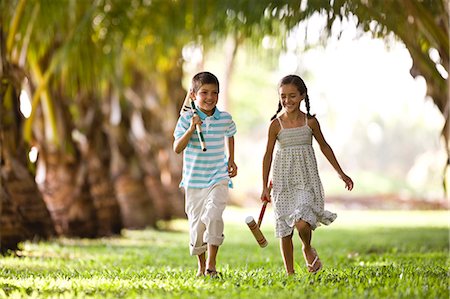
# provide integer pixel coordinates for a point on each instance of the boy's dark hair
(203, 78)
(301, 86)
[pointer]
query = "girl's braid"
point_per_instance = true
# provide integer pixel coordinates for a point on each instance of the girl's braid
(307, 106)
(278, 110)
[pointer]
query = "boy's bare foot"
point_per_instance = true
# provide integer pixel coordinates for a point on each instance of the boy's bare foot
(213, 273)
(200, 273)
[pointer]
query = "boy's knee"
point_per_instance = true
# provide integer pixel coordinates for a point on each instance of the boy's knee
(214, 231)
(197, 249)
(214, 239)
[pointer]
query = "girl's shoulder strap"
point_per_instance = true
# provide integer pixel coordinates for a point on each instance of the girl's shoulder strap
(279, 121)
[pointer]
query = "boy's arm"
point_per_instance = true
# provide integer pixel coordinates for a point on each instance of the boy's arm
(232, 168)
(180, 144)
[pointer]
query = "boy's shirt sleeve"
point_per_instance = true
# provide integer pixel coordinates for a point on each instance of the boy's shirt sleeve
(231, 130)
(182, 126)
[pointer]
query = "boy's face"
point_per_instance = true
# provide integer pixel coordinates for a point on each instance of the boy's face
(206, 98)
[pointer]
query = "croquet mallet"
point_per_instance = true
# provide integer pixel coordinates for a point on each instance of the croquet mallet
(255, 227)
(199, 128)
(189, 104)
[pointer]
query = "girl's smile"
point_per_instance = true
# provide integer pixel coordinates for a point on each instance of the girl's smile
(290, 97)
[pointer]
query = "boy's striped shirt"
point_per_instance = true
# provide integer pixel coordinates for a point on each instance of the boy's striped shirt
(204, 169)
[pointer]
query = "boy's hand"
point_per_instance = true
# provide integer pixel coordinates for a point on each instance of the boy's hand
(195, 120)
(232, 169)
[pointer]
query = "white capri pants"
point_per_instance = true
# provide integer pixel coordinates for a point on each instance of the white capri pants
(204, 209)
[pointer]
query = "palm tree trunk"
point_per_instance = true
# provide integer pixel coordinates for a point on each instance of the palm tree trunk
(136, 207)
(23, 215)
(94, 149)
(66, 194)
(63, 174)
(101, 186)
(19, 184)
(11, 227)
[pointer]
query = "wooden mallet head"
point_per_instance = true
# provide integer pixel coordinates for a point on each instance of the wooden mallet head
(255, 227)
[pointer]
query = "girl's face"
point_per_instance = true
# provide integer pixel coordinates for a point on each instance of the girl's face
(206, 98)
(290, 97)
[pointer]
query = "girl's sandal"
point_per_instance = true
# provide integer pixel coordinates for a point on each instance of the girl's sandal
(316, 260)
(213, 273)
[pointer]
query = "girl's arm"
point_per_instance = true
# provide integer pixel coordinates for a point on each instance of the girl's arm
(328, 152)
(180, 144)
(232, 168)
(267, 160)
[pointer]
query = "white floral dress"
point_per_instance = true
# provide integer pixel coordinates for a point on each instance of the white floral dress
(297, 189)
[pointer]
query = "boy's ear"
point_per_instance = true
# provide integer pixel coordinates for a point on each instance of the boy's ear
(192, 94)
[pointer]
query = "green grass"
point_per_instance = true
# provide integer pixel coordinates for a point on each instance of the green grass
(365, 255)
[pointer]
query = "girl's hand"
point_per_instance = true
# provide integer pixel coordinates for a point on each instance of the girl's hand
(232, 168)
(265, 195)
(348, 181)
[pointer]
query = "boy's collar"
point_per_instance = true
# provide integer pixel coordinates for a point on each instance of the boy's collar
(203, 115)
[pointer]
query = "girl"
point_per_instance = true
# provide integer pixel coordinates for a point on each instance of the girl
(297, 189)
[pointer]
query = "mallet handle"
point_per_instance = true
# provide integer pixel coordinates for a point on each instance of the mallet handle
(263, 208)
(261, 214)
(199, 129)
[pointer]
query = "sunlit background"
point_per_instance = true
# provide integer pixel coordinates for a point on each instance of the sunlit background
(375, 115)
(383, 129)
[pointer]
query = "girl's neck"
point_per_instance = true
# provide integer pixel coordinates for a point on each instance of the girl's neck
(293, 116)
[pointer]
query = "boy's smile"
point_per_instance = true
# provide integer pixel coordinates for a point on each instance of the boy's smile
(206, 98)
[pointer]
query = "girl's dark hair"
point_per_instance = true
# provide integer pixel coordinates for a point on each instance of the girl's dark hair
(203, 78)
(301, 86)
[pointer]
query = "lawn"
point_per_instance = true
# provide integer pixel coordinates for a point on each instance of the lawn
(385, 254)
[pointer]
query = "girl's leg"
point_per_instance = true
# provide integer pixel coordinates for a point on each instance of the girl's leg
(201, 264)
(305, 232)
(287, 250)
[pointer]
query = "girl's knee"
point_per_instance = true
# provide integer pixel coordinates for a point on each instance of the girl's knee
(302, 226)
(288, 237)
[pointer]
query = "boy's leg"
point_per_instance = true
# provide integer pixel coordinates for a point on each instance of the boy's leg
(201, 258)
(194, 208)
(212, 254)
(287, 250)
(212, 217)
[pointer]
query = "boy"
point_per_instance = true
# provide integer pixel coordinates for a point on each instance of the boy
(206, 174)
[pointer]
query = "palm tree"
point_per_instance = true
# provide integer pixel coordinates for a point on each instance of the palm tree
(23, 212)
(106, 84)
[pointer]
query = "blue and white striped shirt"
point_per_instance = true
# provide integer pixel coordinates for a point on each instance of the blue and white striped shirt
(204, 169)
